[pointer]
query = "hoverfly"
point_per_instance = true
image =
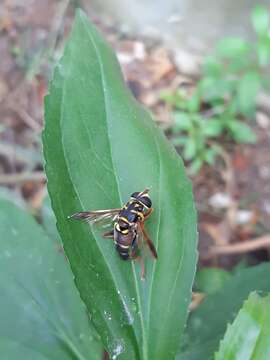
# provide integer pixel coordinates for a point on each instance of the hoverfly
(128, 232)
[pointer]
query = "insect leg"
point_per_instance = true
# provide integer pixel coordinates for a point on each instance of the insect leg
(148, 213)
(134, 256)
(148, 240)
(109, 234)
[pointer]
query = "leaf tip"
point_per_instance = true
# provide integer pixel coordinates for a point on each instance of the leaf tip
(80, 13)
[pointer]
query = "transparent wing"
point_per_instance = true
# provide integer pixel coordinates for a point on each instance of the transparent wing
(96, 216)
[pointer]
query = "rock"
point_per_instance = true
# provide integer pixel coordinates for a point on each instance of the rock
(220, 200)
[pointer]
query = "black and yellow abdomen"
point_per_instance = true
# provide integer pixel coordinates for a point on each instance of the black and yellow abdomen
(124, 240)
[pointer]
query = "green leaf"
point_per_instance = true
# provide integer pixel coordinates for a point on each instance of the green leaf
(212, 127)
(212, 67)
(189, 149)
(100, 146)
(248, 337)
(232, 48)
(248, 88)
(210, 155)
(182, 121)
(241, 132)
(42, 315)
(207, 324)
(48, 220)
(211, 280)
(266, 83)
(213, 89)
(194, 103)
(263, 51)
(195, 166)
(176, 99)
(260, 20)
(180, 140)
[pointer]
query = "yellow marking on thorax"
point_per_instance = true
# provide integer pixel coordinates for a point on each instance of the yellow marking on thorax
(140, 214)
(124, 232)
(124, 219)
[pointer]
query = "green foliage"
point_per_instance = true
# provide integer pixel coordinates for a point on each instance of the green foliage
(248, 336)
(224, 97)
(42, 315)
(100, 146)
(211, 280)
(207, 324)
(194, 142)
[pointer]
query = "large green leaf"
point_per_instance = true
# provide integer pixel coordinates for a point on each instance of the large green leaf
(261, 20)
(100, 146)
(207, 324)
(248, 337)
(42, 315)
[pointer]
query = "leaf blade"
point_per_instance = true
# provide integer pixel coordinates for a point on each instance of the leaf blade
(248, 336)
(203, 335)
(42, 315)
(115, 173)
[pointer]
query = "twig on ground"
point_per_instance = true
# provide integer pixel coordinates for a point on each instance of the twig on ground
(239, 248)
(12, 179)
(27, 119)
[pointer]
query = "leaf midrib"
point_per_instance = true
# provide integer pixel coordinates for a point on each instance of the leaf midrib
(145, 349)
(157, 236)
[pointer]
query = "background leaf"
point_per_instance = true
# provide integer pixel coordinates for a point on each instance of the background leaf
(248, 88)
(207, 324)
(48, 220)
(100, 146)
(261, 20)
(212, 127)
(232, 47)
(42, 315)
(248, 337)
(263, 52)
(241, 132)
(210, 280)
(182, 121)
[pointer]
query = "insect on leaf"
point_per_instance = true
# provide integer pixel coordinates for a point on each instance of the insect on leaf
(100, 146)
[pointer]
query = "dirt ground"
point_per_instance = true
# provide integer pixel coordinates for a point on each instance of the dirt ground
(233, 197)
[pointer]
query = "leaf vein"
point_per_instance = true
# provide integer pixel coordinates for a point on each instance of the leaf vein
(116, 179)
(158, 231)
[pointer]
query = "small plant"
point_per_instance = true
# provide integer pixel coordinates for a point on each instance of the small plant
(97, 149)
(224, 97)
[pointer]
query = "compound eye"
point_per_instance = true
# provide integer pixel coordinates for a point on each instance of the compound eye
(146, 201)
(135, 195)
(139, 208)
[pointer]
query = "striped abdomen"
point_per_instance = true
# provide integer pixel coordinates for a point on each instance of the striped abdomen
(124, 244)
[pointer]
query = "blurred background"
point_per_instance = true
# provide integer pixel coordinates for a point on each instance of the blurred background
(202, 69)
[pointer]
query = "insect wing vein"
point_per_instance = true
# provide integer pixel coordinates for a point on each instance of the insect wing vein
(96, 216)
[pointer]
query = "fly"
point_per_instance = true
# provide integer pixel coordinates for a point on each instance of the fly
(128, 232)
